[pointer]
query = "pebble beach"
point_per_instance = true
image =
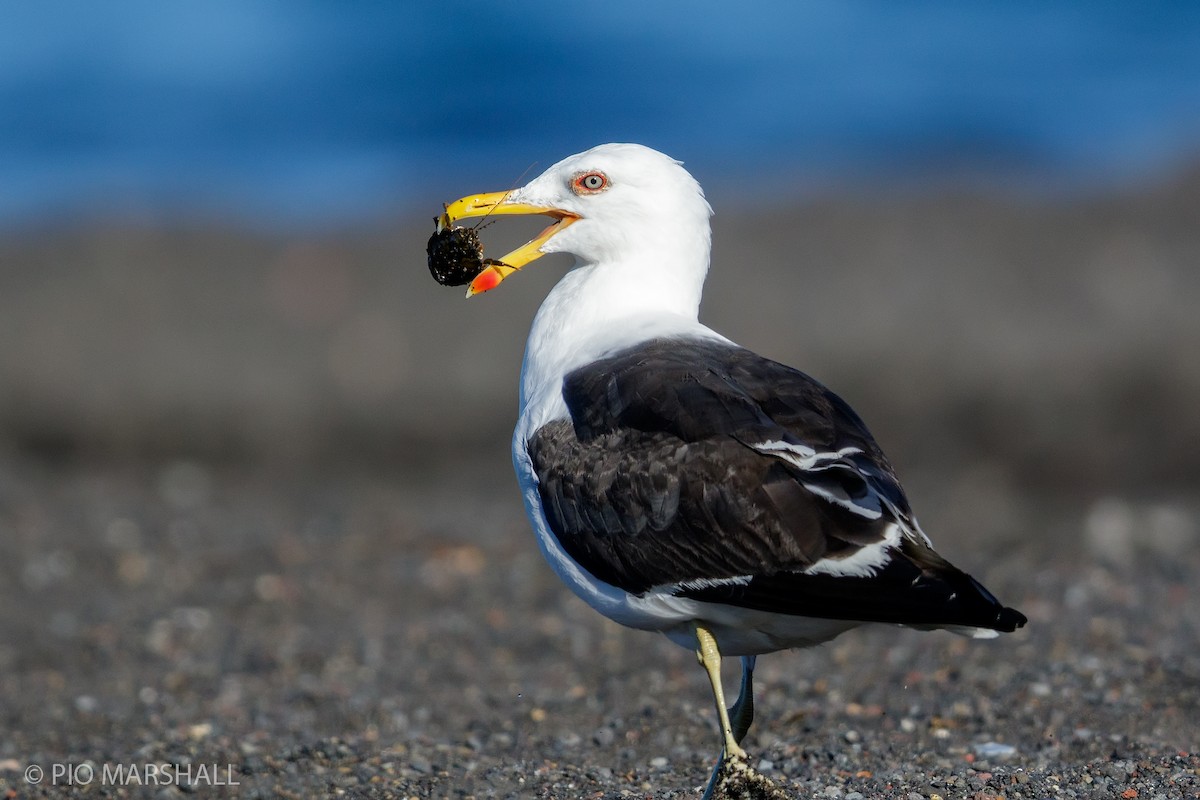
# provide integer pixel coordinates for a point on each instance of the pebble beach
(261, 529)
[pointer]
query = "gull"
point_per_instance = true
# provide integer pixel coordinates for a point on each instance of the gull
(680, 483)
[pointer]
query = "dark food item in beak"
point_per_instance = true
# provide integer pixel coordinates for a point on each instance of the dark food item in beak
(456, 256)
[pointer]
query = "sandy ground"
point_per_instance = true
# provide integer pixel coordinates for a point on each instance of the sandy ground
(259, 523)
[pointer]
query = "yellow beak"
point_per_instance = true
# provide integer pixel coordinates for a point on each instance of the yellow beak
(491, 204)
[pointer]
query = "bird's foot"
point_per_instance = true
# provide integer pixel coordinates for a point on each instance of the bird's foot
(735, 779)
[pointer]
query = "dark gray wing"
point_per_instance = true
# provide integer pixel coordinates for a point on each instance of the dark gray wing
(700, 468)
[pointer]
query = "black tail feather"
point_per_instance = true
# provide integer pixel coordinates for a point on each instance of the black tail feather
(916, 587)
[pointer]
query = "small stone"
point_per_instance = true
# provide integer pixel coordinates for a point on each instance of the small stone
(995, 750)
(200, 730)
(659, 762)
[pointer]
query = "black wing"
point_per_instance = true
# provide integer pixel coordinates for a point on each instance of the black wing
(700, 468)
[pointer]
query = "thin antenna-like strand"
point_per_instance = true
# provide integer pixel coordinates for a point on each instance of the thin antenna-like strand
(515, 185)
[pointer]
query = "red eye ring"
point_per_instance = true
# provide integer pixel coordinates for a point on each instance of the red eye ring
(590, 183)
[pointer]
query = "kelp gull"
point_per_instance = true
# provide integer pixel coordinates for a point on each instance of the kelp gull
(678, 482)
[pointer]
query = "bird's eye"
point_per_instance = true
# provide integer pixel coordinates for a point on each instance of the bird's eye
(590, 183)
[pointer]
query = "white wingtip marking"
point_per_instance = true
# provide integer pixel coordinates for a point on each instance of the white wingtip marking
(966, 630)
(864, 562)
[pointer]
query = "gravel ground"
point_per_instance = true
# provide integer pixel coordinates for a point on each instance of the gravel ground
(275, 549)
(379, 635)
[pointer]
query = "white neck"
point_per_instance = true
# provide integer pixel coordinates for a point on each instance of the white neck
(598, 309)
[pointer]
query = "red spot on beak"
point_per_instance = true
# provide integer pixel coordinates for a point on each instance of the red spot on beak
(485, 281)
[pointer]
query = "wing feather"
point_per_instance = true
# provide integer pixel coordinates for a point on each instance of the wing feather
(702, 469)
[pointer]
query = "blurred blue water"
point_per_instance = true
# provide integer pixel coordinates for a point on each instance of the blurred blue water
(308, 111)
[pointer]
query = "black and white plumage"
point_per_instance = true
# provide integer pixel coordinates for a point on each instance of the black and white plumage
(673, 440)
(680, 483)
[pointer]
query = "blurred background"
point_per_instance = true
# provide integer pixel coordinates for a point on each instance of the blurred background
(213, 217)
(254, 469)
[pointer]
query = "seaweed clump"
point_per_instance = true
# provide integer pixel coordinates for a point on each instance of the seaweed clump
(455, 255)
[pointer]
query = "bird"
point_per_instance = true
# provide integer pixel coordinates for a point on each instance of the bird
(680, 483)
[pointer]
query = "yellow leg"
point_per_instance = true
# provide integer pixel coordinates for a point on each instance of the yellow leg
(710, 658)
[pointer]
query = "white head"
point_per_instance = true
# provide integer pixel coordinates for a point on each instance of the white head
(627, 197)
(618, 206)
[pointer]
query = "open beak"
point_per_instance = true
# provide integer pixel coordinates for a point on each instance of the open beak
(491, 204)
